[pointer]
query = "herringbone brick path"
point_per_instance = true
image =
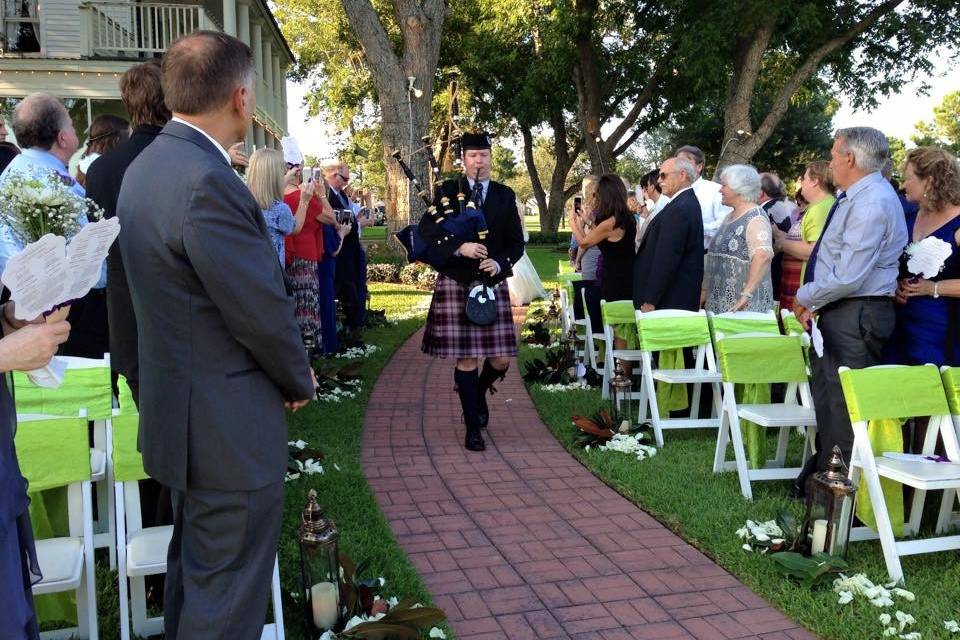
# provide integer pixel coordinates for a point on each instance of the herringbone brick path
(521, 541)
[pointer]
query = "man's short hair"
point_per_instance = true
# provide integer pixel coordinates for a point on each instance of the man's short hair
(202, 69)
(773, 186)
(37, 121)
(142, 94)
(331, 166)
(869, 147)
(685, 166)
(693, 152)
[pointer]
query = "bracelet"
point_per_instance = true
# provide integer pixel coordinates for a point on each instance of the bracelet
(936, 292)
(746, 294)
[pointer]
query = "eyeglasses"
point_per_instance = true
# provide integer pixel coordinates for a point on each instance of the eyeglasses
(664, 174)
(345, 178)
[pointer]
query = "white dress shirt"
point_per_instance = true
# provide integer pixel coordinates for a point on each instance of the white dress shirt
(226, 156)
(711, 207)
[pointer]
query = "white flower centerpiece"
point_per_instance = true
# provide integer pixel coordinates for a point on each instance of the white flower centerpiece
(34, 207)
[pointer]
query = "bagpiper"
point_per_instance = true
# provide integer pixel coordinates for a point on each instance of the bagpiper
(482, 352)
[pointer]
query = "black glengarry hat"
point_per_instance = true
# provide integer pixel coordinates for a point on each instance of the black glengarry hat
(476, 140)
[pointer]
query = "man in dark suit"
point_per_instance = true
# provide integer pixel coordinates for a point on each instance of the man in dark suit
(668, 270)
(350, 259)
(220, 352)
(142, 95)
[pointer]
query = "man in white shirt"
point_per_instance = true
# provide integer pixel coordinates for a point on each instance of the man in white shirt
(708, 194)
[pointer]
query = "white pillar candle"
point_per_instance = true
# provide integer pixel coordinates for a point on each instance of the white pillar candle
(819, 536)
(323, 597)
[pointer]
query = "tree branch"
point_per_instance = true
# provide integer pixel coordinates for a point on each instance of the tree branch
(643, 99)
(374, 41)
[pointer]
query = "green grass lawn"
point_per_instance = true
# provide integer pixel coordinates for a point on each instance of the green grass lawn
(678, 487)
(375, 234)
(334, 428)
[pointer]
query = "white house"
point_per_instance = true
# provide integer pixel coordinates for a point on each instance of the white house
(77, 50)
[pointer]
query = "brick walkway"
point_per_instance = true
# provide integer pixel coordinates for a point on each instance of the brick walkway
(521, 541)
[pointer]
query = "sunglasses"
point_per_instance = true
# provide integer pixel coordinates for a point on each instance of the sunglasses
(345, 178)
(662, 174)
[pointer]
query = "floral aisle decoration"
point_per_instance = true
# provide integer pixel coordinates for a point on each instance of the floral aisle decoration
(577, 385)
(556, 367)
(366, 614)
(302, 460)
(354, 353)
(337, 382)
(604, 426)
(629, 443)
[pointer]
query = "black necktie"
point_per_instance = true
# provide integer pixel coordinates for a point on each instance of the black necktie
(476, 196)
(812, 260)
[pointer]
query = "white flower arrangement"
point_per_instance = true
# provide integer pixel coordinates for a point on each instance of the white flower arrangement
(338, 394)
(760, 535)
(927, 257)
(579, 385)
(629, 443)
(880, 596)
(951, 626)
(34, 207)
(304, 467)
(355, 353)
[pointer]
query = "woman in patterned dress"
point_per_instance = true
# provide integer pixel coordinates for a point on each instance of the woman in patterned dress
(736, 275)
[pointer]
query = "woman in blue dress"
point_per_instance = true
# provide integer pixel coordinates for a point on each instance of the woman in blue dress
(928, 317)
(23, 348)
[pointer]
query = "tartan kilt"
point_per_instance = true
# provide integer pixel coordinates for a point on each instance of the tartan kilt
(449, 334)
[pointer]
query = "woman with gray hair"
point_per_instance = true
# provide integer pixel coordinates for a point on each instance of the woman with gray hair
(737, 267)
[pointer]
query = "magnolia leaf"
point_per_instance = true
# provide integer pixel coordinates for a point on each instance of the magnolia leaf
(809, 570)
(422, 617)
(361, 568)
(381, 630)
(588, 426)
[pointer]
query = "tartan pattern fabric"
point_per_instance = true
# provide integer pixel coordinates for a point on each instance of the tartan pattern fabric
(450, 335)
(789, 281)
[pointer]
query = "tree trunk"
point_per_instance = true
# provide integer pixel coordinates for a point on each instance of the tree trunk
(586, 78)
(737, 148)
(406, 118)
(538, 193)
(551, 207)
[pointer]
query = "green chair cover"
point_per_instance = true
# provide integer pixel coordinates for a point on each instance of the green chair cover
(882, 396)
(752, 364)
(53, 454)
(792, 325)
(564, 266)
(621, 315)
(730, 326)
(81, 389)
(127, 461)
(668, 336)
(951, 385)
(125, 397)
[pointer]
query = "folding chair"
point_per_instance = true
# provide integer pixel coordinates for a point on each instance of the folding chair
(732, 323)
(668, 330)
(762, 358)
(951, 385)
(86, 391)
(143, 551)
(901, 392)
(618, 312)
(790, 323)
(589, 338)
(566, 281)
(54, 452)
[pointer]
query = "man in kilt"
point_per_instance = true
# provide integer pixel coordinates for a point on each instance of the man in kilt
(449, 333)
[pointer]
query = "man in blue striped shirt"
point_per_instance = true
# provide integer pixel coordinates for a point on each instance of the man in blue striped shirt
(851, 278)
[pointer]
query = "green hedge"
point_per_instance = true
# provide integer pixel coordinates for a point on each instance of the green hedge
(546, 237)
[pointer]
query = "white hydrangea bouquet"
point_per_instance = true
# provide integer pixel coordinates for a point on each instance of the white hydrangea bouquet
(35, 206)
(927, 257)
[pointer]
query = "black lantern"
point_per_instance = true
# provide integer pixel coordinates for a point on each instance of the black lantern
(621, 400)
(319, 568)
(830, 505)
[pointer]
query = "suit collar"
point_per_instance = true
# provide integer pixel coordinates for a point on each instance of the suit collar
(184, 131)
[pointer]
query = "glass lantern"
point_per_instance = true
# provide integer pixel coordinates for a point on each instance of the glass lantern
(830, 506)
(621, 401)
(319, 568)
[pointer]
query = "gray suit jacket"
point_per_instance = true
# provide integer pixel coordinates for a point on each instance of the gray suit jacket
(219, 347)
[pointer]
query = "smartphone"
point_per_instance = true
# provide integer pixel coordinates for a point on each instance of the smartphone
(577, 203)
(315, 175)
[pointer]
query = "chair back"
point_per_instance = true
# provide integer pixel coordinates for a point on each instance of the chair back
(895, 391)
(757, 358)
(672, 329)
(734, 322)
(564, 266)
(86, 386)
(617, 312)
(53, 452)
(127, 461)
(125, 397)
(790, 323)
(951, 386)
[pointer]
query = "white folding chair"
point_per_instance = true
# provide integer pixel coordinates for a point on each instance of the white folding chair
(762, 358)
(790, 323)
(951, 385)
(86, 391)
(617, 312)
(142, 551)
(901, 392)
(54, 452)
(668, 330)
(589, 340)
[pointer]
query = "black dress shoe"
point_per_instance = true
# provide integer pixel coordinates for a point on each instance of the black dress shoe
(474, 441)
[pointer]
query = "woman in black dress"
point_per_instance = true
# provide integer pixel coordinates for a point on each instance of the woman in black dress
(23, 348)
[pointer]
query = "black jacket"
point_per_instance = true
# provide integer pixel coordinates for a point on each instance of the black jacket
(504, 233)
(668, 270)
(103, 187)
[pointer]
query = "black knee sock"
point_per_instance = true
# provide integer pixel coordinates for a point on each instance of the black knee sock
(468, 388)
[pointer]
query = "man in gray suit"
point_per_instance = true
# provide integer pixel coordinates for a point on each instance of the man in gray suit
(220, 352)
